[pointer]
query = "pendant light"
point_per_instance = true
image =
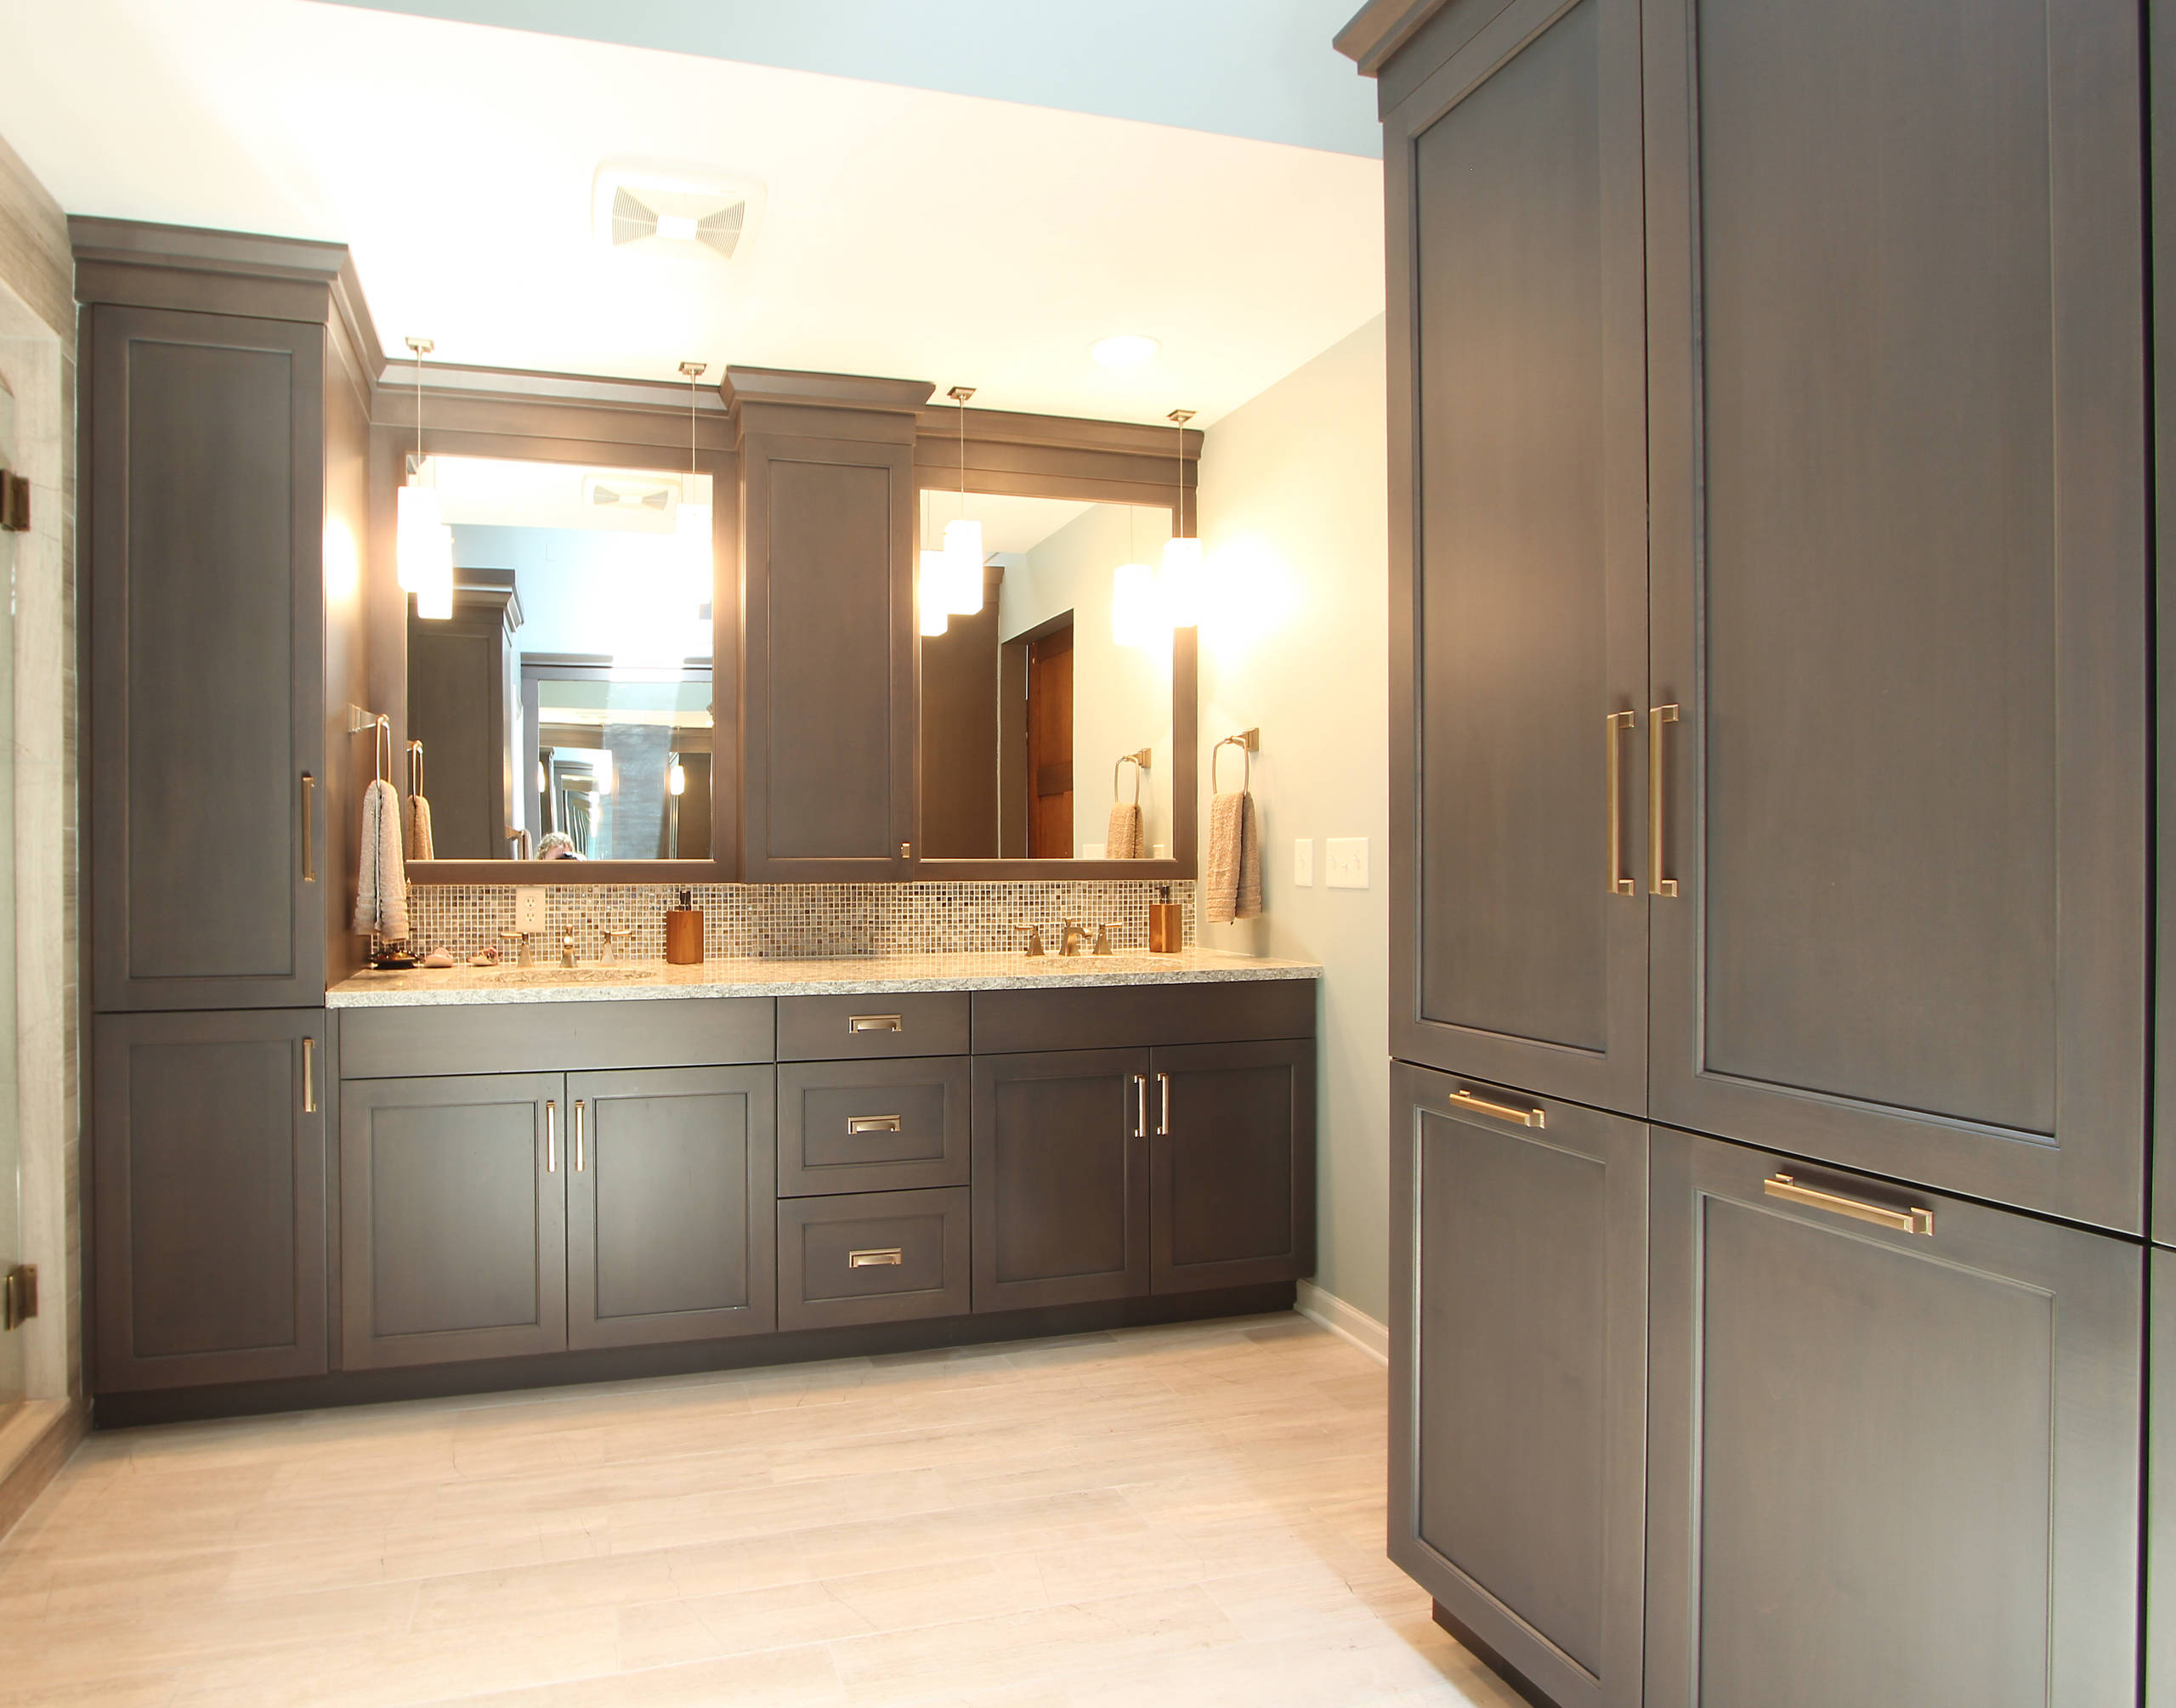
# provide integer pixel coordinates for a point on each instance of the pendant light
(1182, 591)
(692, 535)
(963, 538)
(423, 551)
(1133, 597)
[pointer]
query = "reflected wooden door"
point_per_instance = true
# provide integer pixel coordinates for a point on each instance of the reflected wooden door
(1050, 744)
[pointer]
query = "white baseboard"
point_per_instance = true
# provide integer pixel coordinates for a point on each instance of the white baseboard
(1347, 1321)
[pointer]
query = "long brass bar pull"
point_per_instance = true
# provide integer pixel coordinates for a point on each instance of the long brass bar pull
(1911, 1221)
(309, 1076)
(1140, 1106)
(1164, 1105)
(581, 1125)
(550, 1137)
(1620, 880)
(1657, 717)
(310, 829)
(1501, 1111)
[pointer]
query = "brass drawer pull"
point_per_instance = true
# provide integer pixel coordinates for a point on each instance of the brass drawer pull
(1502, 1112)
(1620, 880)
(1657, 884)
(1911, 1221)
(874, 1023)
(872, 1124)
(890, 1257)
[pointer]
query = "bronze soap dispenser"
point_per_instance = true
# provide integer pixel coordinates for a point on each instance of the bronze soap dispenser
(683, 932)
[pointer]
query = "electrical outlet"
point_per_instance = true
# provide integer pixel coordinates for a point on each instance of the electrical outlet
(529, 912)
(1346, 858)
(1303, 864)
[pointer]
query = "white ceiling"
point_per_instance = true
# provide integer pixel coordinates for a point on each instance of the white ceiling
(909, 233)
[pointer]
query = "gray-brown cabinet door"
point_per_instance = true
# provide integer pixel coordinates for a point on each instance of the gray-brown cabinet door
(670, 1202)
(1899, 577)
(2160, 1480)
(1518, 551)
(204, 598)
(1060, 1178)
(1886, 1465)
(1232, 1164)
(208, 1180)
(831, 724)
(453, 1219)
(1518, 1376)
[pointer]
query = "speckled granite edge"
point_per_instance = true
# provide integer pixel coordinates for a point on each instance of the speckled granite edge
(877, 976)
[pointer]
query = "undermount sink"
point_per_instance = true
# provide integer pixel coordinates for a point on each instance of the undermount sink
(580, 975)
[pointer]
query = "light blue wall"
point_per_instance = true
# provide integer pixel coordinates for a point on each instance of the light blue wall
(1262, 69)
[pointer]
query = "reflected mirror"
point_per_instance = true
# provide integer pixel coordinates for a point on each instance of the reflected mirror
(1036, 715)
(564, 709)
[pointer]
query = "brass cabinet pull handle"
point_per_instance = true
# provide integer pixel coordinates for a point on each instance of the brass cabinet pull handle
(582, 1126)
(1620, 880)
(890, 1257)
(310, 829)
(1502, 1112)
(872, 1124)
(1657, 717)
(550, 1137)
(874, 1023)
(1163, 1111)
(309, 1076)
(1911, 1221)
(1140, 1106)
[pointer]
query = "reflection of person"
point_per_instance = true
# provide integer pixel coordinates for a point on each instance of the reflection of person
(557, 846)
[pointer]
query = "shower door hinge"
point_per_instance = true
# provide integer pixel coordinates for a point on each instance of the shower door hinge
(19, 1296)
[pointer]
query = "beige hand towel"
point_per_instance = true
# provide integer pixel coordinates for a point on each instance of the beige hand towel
(382, 890)
(1122, 840)
(1231, 883)
(419, 828)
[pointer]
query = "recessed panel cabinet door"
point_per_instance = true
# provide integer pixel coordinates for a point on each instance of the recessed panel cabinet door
(1060, 1178)
(207, 1164)
(1892, 1461)
(1518, 602)
(1519, 1264)
(204, 599)
(670, 1202)
(453, 1216)
(1900, 582)
(1232, 1163)
(2161, 1482)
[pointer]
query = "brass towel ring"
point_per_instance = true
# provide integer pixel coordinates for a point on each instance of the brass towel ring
(415, 768)
(1139, 761)
(1249, 742)
(382, 747)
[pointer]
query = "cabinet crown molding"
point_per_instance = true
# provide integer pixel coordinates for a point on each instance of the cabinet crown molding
(1379, 29)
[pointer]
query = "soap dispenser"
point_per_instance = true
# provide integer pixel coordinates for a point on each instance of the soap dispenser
(683, 932)
(1167, 923)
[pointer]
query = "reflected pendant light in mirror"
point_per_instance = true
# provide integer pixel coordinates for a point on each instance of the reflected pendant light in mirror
(423, 544)
(963, 538)
(692, 532)
(934, 592)
(1134, 619)
(1182, 569)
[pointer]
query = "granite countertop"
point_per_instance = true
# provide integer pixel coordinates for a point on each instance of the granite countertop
(870, 975)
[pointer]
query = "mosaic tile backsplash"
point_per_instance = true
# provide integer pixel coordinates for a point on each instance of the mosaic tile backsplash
(798, 921)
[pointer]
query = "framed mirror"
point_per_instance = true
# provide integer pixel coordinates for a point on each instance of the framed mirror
(561, 715)
(1065, 693)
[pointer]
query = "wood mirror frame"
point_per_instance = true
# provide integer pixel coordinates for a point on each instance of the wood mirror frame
(1100, 462)
(632, 424)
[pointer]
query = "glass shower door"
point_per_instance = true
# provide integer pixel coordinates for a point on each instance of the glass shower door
(11, 1246)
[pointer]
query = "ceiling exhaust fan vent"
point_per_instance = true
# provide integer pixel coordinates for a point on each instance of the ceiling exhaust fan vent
(658, 208)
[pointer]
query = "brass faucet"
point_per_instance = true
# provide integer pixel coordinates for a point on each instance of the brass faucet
(567, 947)
(1075, 939)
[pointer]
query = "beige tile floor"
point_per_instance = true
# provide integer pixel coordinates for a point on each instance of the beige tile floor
(1188, 1515)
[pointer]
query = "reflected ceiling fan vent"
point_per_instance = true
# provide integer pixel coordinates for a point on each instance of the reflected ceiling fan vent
(656, 207)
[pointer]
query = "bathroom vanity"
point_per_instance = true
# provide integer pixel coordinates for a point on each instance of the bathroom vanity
(507, 1177)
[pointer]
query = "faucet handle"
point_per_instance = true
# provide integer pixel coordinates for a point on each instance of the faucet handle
(1035, 937)
(1103, 937)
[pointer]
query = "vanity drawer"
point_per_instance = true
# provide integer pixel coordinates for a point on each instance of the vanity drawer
(872, 1126)
(1119, 1016)
(859, 1028)
(872, 1257)
(553, 1037)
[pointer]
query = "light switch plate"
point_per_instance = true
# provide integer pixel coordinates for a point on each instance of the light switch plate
(1303, 864)
(1346, 858)
(529, 913)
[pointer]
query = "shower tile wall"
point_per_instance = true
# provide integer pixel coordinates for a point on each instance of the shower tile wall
(800, 921)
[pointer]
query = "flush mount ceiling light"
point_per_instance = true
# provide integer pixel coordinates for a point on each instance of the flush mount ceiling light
(1124, 349)
(661, 207)
(618, 492)
(423, 544)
